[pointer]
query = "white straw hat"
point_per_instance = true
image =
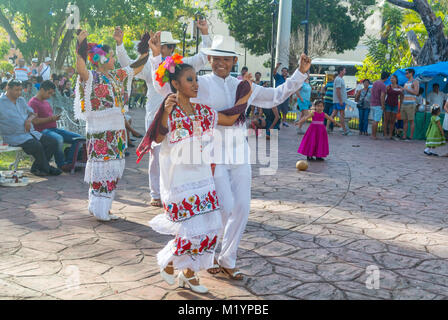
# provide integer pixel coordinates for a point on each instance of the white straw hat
(34, 60)
(222, 46)
(167, 38)
(47, 59)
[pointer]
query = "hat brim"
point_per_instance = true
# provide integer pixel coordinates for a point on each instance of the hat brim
(219, 53)
(170, 42)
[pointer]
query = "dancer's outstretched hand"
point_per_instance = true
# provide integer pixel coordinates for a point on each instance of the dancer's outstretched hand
(203, 26)
(170, 102)
(154, 43)
(248, 77)
(305, 63)
(118, 35)
(82, 35)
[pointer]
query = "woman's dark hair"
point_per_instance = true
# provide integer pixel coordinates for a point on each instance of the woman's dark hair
(318, 102)
(142, 48)
(179, 71)
(394, 76)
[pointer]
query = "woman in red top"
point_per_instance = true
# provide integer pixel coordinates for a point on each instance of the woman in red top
(394, 93)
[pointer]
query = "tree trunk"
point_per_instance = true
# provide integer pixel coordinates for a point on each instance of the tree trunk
(64, 48)
(436, 47)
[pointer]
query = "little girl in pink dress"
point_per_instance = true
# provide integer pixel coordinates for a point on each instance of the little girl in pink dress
(315, 140)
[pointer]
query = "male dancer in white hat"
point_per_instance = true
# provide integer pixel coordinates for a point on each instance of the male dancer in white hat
(232, 179)
(154, 99)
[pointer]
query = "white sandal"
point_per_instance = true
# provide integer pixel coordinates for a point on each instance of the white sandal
(169, 278)
(184, 281)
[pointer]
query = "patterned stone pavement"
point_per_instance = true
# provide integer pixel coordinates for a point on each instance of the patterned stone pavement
(311, 235)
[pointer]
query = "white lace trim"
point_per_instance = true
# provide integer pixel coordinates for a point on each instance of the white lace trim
(105, 120)
(194, 227)
(100, 205)
(104, 170)
(87, 93)
(185, 191)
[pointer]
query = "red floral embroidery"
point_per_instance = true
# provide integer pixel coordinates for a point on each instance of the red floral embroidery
(184, 246)
(95, 103)
(100, 147)
(110, 136)
(111, 185)
(121, 74)
(191, 206)
(102, 91)
(96, 185)
(181, 125)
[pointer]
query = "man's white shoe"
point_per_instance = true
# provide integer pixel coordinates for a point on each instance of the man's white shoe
(113, 217)
(169, 278)
(184, 281)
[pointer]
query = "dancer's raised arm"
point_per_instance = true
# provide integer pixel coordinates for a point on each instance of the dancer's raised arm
(268, 98)
(81, 55)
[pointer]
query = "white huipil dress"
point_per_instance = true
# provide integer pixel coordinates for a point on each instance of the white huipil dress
(191, 209)
(100, 102)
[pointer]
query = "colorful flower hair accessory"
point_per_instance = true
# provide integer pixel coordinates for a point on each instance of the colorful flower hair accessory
(96, 54)
(166, 67)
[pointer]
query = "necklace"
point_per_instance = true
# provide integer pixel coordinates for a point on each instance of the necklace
(189, 112)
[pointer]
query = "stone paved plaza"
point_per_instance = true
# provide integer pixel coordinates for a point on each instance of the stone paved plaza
(311, 235)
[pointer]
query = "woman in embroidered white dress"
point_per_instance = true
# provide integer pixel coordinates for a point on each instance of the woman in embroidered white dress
(187, 186)
(99, 101)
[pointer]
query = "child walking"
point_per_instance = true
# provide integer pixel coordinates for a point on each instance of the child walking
(315, 140)
(435, 136)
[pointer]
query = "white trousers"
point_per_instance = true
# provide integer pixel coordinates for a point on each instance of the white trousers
(154, 173)
(233, 187)
(153, 167)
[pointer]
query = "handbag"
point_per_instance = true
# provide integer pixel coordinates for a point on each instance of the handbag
(360, 104)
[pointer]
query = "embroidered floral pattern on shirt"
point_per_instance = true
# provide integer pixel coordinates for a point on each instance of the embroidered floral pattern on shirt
(103, 187)
(106, 93)
(183, 126)
(106, 145)
(191, 206)
(184, 246)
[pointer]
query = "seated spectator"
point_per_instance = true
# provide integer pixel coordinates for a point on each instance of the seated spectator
(271, 120)
(45, 123)
(17, 129)
(39, 80)
(3, 87)
(67, 90)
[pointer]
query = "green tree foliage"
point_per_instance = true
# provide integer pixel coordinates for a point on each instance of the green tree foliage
(4, 48)
(391, 51)
(5, 66)
(38, 28)
(250, 21)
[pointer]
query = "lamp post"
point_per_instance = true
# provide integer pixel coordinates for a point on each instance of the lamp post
(274, 4)
(307, 25)
(198, 5)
